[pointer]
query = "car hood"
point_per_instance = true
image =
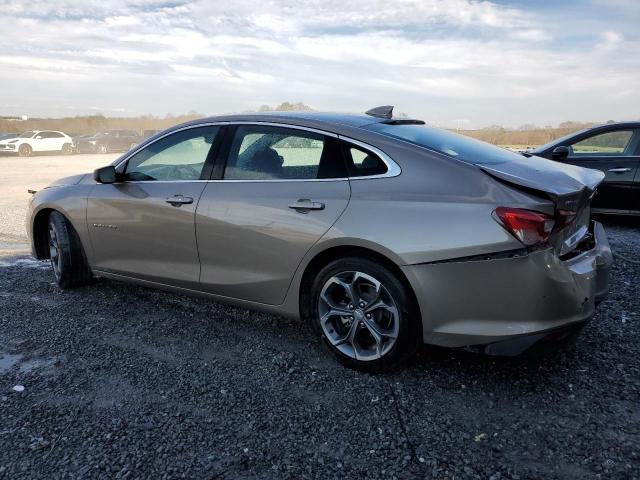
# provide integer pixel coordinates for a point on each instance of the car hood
(72, 180)
(553, 178)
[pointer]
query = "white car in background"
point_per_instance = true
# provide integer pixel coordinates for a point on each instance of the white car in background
(27, 143)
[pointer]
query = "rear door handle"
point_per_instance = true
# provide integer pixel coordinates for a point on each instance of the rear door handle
(304, 205)
(619, 170)
(178, 200)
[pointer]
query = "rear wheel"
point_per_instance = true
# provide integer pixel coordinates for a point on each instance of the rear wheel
(364, 314)
(68, 260)
(25, 150)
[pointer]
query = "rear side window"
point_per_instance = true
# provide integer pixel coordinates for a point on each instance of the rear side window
(268, 153)
(51, 135)
(452, 144)
(362, 163)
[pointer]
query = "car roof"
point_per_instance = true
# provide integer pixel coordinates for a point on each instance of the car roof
(319, 119)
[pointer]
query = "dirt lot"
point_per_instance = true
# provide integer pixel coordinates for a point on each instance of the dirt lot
(127, 382)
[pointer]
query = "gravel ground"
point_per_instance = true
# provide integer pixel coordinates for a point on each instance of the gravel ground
(123, 381)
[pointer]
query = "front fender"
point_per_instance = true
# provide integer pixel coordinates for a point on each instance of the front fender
(71, 201)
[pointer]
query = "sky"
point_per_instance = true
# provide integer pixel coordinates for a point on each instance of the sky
(455, 63)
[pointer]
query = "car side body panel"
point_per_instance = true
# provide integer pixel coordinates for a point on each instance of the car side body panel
(128, 228)
(251, 242)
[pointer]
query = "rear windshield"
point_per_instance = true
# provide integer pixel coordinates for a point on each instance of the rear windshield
(458, 146)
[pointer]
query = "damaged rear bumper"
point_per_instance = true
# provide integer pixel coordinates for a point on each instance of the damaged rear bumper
(493, 300)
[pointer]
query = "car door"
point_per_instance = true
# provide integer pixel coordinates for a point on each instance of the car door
(281, 189)
(55, 141)
(40, 142)
(615, 153)
(143, 225)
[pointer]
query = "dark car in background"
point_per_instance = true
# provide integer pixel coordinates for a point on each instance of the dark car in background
(108, 141)
(612, 148)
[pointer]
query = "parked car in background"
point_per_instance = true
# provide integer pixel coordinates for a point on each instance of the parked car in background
(108, 141)
(383, 232)
(614, 149)
(37, 141)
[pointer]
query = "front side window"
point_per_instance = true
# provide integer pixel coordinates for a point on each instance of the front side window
(267, 153)
(603, 144)
(26, 134)
(179, 156)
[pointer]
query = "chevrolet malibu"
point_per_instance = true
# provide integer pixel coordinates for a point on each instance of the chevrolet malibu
(384, 233)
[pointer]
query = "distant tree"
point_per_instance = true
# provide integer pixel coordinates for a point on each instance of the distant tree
(609, 122)
(286, 107)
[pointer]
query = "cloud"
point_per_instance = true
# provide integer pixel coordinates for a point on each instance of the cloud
(441, 60)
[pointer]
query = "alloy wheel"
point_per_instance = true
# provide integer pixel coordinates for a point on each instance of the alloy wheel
(358, 315)
(24, 150)
(54, 251)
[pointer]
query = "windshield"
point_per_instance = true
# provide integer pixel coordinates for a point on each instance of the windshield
(26, 135)
(452, 144)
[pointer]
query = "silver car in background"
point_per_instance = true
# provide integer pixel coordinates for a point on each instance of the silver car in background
(384, 233)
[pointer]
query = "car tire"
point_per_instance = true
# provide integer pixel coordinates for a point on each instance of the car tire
(67, 149)
(25, 150)
(364, 314)
(67, 256)
(103, 149)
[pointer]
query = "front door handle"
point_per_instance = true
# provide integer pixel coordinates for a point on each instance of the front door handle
(178, 200)
(304, 205)
(619, 170)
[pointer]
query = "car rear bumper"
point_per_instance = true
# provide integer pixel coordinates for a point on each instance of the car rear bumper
(483, 301)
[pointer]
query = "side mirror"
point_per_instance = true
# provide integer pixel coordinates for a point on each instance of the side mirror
(560, 153)
(38, 137)
(105, 174)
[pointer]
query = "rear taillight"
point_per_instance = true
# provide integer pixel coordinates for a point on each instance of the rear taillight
(531, 228)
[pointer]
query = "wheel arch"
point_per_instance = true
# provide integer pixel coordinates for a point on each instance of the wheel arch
(330, 254)
(39, 233)
(39, 230)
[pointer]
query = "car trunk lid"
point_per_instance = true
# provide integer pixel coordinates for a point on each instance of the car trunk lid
(570, 188)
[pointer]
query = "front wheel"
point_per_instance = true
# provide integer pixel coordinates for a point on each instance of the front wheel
(67, 149)
(25, 150)
(364, 314)
(102, 149)
(68, 260)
